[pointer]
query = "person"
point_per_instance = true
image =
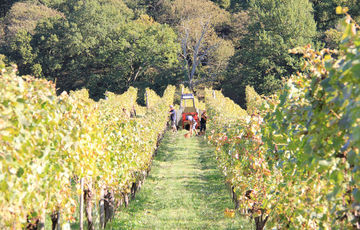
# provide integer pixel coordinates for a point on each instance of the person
(193, 124)
(203, 122)
(133, 112)
(173, 118)
(125, 113)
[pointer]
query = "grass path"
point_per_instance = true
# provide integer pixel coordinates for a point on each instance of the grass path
(184, 190)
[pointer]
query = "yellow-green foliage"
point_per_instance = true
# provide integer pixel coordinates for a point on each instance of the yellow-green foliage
(200, 105)
(151, 97)
(25, 16)
(125, 101)
(46, 140)
(168, 96)
(38, 132)
(236, 138)
(295, 162)
(253, 100)
(222, 108)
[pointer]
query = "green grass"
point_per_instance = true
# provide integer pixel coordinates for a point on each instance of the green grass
(184, 190)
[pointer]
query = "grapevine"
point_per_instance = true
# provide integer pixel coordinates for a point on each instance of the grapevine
(48, 142)
(294, 163)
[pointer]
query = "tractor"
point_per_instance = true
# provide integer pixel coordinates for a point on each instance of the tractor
(187, 107)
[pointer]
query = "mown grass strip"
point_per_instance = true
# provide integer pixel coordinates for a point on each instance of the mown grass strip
(184, 190)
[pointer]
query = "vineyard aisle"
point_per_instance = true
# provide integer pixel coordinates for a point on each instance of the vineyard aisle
(184, 190)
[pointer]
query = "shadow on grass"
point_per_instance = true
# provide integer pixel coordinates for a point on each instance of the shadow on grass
(184, 190)
(144, 199)
(166, 149)
(211, 188)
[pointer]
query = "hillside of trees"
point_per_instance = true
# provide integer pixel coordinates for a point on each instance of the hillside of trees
(110, 45)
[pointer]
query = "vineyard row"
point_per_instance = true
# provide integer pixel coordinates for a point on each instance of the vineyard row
(292, 160)
(55, 149)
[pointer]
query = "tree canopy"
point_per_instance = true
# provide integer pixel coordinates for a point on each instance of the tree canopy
(18, 27)
(99, 45)
(199, 25)
(113, 44)
(263, 58)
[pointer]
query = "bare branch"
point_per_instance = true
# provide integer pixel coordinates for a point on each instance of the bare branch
(184, 46)
(196, 60)
(137, 73)
(204, 80)
(207, 51)
(198, 52)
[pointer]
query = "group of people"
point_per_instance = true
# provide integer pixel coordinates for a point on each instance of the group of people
(191, 120)
(132, 112)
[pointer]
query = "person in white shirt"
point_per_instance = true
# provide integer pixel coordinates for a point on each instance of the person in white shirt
(193, 124)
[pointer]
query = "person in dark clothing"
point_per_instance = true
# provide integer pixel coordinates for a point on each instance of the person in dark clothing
(173, 118)
(133, 112)
(203, 122)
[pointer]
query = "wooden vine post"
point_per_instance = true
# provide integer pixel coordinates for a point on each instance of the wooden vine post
(81, 204)
(102, 208)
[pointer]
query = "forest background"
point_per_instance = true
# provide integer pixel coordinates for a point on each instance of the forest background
(110, 45)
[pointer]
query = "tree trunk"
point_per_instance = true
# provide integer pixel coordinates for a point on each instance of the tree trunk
(260, 222)
(88, 208)
(81, 216)
(133, 190)
(148, 171)
(119, 203)
(109, 205)
(55, 219)
(126, 199)
(102, 208)
(234, 197)
(141, 181)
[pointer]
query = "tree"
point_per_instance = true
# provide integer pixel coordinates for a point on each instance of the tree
(327, 20)
(149, 50)
(324, 12)
(193, 60)
(141, 7)
(239, 5)
(18, 28)
(5, 7)
(199, 24)
(2, 34)
(238, 28)
(263, 58)
(223, 3)
(100, 47)
(25, 16)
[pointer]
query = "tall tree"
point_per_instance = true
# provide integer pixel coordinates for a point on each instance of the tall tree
(18, 28)
(239, 5)
(263, 57)
(199, 24)
(327, 20)
(154, 8)
(99, 46)
(324, 12)
(5, 7)
(223, 3)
